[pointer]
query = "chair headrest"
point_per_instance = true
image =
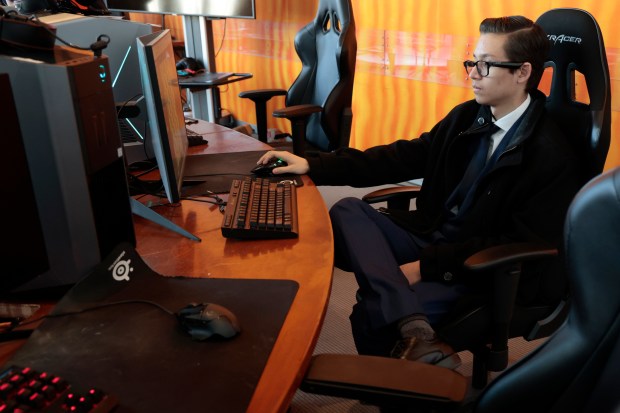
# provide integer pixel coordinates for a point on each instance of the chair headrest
(341, 8)
(577, 44)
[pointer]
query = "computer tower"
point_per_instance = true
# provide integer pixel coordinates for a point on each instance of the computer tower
(124, 70)
(67, 121)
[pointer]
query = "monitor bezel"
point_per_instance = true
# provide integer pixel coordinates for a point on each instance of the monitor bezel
(237, 9)
(170, 144)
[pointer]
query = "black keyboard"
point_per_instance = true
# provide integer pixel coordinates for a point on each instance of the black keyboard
(259, 208)
(23, 389)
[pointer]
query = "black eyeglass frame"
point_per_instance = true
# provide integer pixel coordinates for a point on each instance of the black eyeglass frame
(469, 64)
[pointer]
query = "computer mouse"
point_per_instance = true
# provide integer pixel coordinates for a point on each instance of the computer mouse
(207, 320)
(267, 169)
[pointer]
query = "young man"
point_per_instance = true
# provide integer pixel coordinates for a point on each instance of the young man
(495, 170)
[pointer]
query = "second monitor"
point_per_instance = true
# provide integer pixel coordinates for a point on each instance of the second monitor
(162, 96)
(165, 109)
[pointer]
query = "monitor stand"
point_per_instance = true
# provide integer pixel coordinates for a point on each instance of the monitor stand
(198, 34)
(145, 212)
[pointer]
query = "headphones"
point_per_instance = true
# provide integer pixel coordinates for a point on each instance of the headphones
(188, 66)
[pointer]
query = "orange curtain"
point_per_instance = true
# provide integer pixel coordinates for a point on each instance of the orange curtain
(409, 72)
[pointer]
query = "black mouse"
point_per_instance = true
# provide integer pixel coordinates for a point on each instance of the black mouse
(267, 169)
(208, 320)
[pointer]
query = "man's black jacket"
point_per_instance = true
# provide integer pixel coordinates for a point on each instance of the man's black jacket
(523, 198)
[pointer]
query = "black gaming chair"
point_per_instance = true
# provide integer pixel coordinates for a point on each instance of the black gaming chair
(318, 103)
(484, 324)
(575, 370)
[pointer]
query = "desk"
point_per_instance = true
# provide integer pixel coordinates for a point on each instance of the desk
(307, 260)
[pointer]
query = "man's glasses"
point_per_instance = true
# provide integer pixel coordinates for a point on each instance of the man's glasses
(483, 67)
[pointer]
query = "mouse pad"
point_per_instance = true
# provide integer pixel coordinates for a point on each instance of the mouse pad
(121, 338)
(218, 170)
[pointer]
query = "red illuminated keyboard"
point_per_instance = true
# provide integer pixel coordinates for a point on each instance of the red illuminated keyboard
(23, 389)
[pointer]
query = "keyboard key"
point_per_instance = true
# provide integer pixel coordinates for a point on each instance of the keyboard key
(23, 389)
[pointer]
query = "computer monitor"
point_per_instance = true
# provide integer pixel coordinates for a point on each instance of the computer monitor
(164, 108)
(244, 9)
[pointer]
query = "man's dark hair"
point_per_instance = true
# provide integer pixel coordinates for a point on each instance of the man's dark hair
(527, 42)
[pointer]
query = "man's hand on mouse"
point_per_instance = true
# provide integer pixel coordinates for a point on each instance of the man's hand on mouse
(296, 164)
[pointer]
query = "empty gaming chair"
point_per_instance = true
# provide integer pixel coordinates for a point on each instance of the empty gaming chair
(318, 103)
(483, 325)
(575, 370)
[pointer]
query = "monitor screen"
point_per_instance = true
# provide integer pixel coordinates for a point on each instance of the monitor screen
(244, 9)
(164, 107)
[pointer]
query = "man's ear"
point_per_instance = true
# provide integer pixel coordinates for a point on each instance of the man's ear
(524, 72)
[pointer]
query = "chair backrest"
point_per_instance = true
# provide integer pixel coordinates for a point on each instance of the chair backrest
(577, 46)
(575, 370)
(327, 48)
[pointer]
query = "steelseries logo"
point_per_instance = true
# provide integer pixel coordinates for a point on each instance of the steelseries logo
(120, 268)
(562, 38)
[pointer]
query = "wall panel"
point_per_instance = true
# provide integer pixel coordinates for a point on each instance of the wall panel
(409, 71)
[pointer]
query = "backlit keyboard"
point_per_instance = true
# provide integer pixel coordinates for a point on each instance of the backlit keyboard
(259, 208)
(23, 389)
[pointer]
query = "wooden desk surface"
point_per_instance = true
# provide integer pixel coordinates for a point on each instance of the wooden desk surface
(307, 260)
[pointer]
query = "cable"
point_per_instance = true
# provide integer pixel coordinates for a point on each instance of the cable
(145, 134)
(12, 14)
(223, 37)
(126, 102)
(101, 43)
(221, 204)
(138, 186)
(98, 307)
(25, 333)
(142, 167)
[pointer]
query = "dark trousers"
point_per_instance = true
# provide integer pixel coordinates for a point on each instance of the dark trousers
(373, 247)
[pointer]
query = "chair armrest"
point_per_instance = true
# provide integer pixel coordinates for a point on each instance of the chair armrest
(297, 111)
(397, 197)
(260, 98)
(508, 254)
(299, 116)
(505, 262)
(262, 94)
(384, 381)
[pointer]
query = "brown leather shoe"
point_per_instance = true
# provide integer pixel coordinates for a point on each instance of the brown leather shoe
(431, 352)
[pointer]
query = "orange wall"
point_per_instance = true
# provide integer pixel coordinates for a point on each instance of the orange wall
(409, 72)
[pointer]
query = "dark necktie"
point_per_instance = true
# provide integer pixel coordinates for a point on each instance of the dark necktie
(467, 185)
